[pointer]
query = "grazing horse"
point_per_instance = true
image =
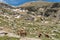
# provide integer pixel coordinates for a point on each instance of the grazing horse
(22, 32)
(46, 35)
(39, 35)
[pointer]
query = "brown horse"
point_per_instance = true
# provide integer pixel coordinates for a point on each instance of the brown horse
(22, 32)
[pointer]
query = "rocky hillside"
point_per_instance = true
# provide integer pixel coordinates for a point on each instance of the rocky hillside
(41, 20)
(4, 5)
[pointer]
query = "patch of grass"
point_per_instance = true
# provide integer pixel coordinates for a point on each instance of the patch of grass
(8, 38)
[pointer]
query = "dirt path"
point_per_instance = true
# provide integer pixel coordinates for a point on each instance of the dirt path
(26, 38)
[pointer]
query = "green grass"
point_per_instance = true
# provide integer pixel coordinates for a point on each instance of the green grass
(8, 38)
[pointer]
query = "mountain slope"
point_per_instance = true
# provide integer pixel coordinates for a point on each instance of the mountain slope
(41, 21)
(4, 5)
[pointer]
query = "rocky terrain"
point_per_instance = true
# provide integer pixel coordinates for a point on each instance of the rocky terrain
(34, 19)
